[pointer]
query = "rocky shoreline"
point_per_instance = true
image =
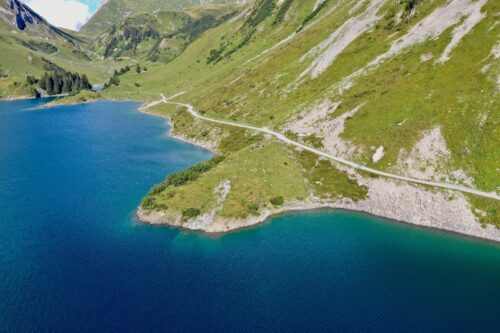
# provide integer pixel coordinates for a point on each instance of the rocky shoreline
(428, 211)
(394, 200)
(199, 143)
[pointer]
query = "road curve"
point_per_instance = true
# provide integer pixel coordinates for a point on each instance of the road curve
(281, 137)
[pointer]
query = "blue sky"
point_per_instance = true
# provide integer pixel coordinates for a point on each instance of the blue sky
(69, 14)
(93, 4)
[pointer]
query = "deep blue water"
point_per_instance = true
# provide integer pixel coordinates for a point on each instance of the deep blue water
(72, 259)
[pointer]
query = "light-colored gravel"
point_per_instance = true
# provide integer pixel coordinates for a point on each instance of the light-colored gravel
(430, 159)
(327, 51)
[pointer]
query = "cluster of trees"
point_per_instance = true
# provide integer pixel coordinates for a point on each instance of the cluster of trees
(40, 46)
(122, 71)
(217, 55)
(58, 82)
(261, 11)
(31, 80)
(115, 79)
(129, 38)
(192, 173)
(138, 69)
(283, 10)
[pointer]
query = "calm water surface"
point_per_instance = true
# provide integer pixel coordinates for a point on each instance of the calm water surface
(72, 259)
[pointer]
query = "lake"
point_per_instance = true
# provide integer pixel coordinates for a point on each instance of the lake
(73, 258)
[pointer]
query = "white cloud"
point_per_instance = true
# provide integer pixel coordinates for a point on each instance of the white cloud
(70, 14)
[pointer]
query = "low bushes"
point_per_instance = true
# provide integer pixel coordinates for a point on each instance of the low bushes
(277, 201)
(179, 179)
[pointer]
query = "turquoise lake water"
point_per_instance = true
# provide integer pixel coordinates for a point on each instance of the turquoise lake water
(72, 258)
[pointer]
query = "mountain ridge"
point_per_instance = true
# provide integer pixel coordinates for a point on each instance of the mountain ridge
(114, 11)
(162, 35)
(26, 18)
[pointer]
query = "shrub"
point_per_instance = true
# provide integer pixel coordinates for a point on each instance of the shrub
(148, 203)
(254, 208)
(161, 207)
(192, 173)
(410, 4)
(277, 201)
(389, 25)
(282, 12)
(262, 9)
(311, 16)
(191, 213)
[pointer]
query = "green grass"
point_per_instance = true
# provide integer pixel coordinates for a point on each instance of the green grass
(256, 176)
(114, 11)
(487, 211)
(161, 36)
(328, 182)
(18, 61)
(83, 96)
(454, 96)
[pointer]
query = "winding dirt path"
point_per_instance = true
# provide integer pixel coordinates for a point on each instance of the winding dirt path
(281, 137)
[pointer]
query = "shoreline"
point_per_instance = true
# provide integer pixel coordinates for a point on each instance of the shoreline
(152, 218)
(25, 98)
(49, 105)
(474, 230)
(327, 209)
(199, 144)
(234, 225)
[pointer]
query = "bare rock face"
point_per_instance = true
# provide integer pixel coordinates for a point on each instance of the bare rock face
(23, 16)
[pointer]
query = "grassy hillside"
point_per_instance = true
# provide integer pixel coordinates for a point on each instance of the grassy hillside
(114, 11)
(411, 82)
(40, 47)
(161, 36)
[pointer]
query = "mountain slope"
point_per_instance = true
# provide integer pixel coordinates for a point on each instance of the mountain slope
(162, 35)
(114, 11)
(406, 87)
(15, 12)
(410, 88)
(30, 46)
